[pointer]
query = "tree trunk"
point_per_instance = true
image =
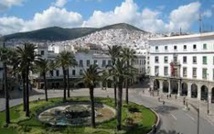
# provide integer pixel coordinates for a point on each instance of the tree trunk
(24, 90)
(68, 86)
(45, 86)
(27, 93)
(91, 91)
(119, 104)
(115, 92)
(65, 85)
(7, 105)
(127, 91)
(127, 87)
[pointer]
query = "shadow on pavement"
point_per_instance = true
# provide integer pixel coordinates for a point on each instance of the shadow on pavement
(164, 109)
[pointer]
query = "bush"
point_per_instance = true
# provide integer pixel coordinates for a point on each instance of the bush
(133, 109)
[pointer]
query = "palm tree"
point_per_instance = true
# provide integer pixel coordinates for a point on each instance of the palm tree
(26, 57)
(42, 66)
(5, 58)
(91, 78)
(129, 56)
(64, 60)
(71, 63)
(114, 53)
(120, 73)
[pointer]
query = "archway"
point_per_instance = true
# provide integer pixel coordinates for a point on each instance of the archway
(165, 86)
(212, 97)
(156, 84)
(194, 91)
(184, 89)
(174, 86)
(204, 92)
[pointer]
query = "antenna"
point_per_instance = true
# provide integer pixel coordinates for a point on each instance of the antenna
(200, 19)
(200, 22)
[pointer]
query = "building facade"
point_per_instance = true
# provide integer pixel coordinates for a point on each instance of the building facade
(183, 65)
(84, 60)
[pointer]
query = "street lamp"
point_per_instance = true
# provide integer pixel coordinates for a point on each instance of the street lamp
(198, 117)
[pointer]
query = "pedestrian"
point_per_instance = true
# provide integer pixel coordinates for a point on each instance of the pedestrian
(163, 102)
(154, 129)
(158, 99)
(167, 96)
(184, 101)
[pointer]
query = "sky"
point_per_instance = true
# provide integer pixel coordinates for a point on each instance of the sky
(157, 16)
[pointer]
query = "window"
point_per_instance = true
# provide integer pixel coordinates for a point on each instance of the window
(95, 62)
(194, 60)
(156, 70)
(194, 47)
(175, 57)
(73, 72)
(156, 48)
(109, 62)
(42, 52)
(156, 59)
(175, 47)
(166, 48)
(165, 71)
(185, 47)
(80, 63)
(184, 72)
(88, 63)
(103, 63)
(165, 59)
(204, 73)
(57, 72)
(204, 46)
(204, 60)
(51, 72)
(194, 72)
(184, 59)
(81, 72)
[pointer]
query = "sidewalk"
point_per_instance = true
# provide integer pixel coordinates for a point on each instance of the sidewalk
(202, 105)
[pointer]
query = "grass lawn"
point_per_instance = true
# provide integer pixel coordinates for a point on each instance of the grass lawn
(136, 119)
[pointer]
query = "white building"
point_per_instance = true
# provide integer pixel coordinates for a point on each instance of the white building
(84, 60)
(183, 65)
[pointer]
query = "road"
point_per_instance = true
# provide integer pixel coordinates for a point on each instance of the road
(174, 118)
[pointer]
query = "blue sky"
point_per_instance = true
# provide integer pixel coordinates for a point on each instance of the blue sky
(150, 15)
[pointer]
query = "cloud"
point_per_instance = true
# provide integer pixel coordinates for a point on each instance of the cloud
(60, 3)
(53, 16)
(128, 12)
(183, 16)
(10, 25)
(5, 4)
(207, 13)
(149, 20)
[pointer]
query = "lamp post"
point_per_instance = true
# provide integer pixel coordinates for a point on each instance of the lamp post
(198, 117)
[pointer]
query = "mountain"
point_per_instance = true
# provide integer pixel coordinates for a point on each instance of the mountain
(52, 34)
(62, 34)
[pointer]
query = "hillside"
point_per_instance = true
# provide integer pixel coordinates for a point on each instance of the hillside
(62, 34)
(52, 34)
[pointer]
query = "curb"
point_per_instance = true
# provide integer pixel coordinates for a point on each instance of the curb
(157, 124)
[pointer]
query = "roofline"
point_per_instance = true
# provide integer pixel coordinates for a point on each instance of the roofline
(200, 35)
